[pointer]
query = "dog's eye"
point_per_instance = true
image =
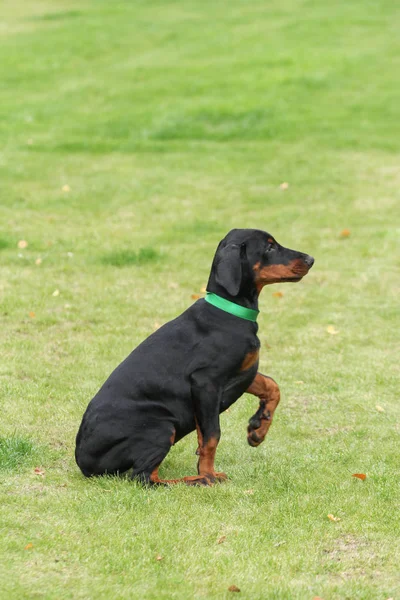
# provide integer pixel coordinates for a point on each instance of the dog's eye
(269, 248)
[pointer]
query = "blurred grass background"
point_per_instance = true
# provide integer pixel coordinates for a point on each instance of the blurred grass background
(133, 136)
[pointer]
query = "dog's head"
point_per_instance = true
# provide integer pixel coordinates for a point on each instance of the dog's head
(248, 259)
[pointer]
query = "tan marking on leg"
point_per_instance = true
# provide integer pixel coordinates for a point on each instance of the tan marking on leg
(268, 391)
(206, 452)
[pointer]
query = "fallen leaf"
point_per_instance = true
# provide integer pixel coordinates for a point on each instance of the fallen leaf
(332, 518)
(332, 330)
(233, 588)
(379, 408)
(56, 293)
(360, 476)
(300, 382)
(38, 261)
(195, 296)
(32, 314)
(284, 185)
(221, 539)
(317, 598)
(345, 233)
(249, 492)
(22, 244)
(277, 294)
(39, 471)
(159, 557)
(28, 546)
(66, 188)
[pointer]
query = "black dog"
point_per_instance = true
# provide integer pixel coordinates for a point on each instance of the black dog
(191, 369)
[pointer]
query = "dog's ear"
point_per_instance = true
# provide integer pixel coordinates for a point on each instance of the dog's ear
(228, 268)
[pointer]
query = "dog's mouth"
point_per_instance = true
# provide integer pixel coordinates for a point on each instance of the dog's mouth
(300, 270)
(292, 279)
(281, 273)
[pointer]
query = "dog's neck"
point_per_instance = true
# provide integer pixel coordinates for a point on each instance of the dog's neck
(247, 296)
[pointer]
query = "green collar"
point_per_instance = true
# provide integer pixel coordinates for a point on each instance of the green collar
(235, 309)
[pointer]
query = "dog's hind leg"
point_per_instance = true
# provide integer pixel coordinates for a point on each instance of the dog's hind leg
(148, 474)
(267, 390)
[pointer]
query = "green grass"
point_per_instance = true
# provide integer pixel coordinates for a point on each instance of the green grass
(135, 135)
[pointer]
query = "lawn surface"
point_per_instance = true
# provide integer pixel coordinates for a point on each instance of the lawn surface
(134, 135)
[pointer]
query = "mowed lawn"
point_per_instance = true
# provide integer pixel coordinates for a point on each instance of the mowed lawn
(133, 136)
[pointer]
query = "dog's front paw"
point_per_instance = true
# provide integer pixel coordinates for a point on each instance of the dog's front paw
(219, 476)
(206, 479)
(254, 439)
(257, 428)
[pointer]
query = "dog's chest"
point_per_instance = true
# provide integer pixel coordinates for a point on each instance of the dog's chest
(250, 359)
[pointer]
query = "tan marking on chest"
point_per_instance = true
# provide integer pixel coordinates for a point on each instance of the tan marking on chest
(249, 360)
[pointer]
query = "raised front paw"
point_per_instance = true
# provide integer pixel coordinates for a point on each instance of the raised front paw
(258, 428)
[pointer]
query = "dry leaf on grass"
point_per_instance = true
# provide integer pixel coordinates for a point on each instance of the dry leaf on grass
(345, 233)
(28, 546)
(22, 244)
(38, 471)
(56, 293)
(284, 185)
(332, 518)
(299, 382)
(233, 588)
(32, 315)
(379, 408)
(195, 296)
(332, 330)
(221, 539)
(66, 188)
(159, 557)
(38, 261)
(277, 294)
(361, 476)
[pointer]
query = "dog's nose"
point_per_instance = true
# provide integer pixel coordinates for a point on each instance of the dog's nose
(309, 260)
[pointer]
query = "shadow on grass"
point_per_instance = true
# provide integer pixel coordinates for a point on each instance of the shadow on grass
(57, 16)
(5, 243)
(126, 258)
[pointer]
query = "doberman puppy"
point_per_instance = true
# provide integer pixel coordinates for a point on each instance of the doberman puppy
(190, 370)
